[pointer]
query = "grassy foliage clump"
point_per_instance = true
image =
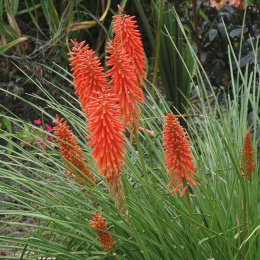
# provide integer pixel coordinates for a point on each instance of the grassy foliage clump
(128, 211)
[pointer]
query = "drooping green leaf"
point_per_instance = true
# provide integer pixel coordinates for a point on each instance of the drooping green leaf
(5, 47)
(8, 124)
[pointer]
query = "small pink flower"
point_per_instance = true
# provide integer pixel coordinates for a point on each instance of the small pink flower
(48, 128)
(49, 138)
(43, 146)
(40, 141)
(37, 121)
(49, 178)
(25, 144)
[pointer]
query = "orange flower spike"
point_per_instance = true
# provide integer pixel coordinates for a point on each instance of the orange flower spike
(104, 237)
(71, 151)
(124, 82)
(105, 128)
(88, 73)
(247, 157)
(127, 34)
(177, 152)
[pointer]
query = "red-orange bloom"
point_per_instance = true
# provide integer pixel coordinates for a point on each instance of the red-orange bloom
(71, 151)
(247, 157)
(88, 72)
(127, 34)
(177, 152)
(104, 237)
(124, 82)
(105, 128)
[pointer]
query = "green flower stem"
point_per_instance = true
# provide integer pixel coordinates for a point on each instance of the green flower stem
(113, 255)
(184, 181)
(244, 224)
(141, 155)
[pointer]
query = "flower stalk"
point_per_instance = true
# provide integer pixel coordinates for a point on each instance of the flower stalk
(140, 154)
(244, 231)
(187, 196)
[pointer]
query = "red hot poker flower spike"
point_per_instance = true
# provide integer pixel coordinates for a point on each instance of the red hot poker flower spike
(104, 125)
(124, 82)
(104, 237)
(127, 34)
(71, 151)
(177, 152)
(88, 72)
(247, 157)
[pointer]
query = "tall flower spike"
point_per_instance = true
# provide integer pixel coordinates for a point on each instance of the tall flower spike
(107, 142)
(104, 237)
(71, 151)
(124, 83)
(104, 125)
(127, 34)
(247, 157)
(88, 73)
(177, 153)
